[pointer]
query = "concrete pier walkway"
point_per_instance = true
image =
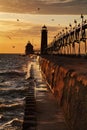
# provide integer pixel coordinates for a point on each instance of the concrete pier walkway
(48, 114)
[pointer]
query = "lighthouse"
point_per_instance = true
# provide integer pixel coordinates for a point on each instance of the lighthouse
(44, 39)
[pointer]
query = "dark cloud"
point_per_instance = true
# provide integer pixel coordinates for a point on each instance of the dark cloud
(45, 6)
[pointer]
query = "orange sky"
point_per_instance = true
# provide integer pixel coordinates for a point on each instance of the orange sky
(17, 29)
(21, 21)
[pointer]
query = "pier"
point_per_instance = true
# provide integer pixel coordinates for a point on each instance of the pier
(30, 121)
(64, 43)
(57, 96)
(41, 107)
(67, 79)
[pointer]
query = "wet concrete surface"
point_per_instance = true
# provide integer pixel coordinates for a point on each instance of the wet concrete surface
(49, 115)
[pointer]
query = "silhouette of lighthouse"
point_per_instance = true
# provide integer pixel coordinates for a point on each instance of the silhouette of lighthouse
(43, 40)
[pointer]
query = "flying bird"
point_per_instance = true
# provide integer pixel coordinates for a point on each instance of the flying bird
(52, 19)
(13, 46)
(9, 37)
(38, 8)
(17, 19)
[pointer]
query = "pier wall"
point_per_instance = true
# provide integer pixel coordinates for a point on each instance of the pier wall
(70, 89)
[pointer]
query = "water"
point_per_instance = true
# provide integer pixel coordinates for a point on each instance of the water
(14, 71)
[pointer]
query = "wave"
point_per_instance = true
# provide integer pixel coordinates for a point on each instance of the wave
(4, 107)
(12, 74)
(14, 124)
(13, 94)
(9, 90)
(13, 89)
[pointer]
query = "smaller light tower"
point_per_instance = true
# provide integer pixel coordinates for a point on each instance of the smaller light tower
(44, 40)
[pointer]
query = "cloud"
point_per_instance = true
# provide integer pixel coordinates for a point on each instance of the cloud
(56, 1)
(24, 32)
(44, 6)
(10, 26)
(12, 30)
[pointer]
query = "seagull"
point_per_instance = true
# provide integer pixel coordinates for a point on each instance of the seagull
(13, 46)
(9, 37)
(38, 8)
(52, 19)
(17, 19)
